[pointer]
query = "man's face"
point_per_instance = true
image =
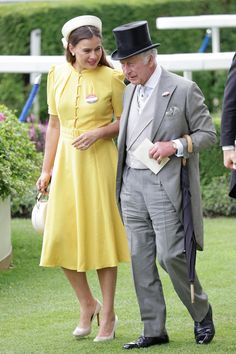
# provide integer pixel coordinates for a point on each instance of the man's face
(137, 69)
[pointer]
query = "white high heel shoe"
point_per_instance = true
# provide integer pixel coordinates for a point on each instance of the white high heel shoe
(82, 332)
(111, 336)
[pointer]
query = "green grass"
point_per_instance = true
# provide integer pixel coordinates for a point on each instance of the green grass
(38, 309)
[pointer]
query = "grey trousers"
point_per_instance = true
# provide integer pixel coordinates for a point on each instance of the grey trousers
(154, 231)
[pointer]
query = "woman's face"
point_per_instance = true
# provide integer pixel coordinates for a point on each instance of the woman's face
(87, 53)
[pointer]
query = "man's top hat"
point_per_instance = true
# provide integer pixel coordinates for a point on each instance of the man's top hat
(131, 39)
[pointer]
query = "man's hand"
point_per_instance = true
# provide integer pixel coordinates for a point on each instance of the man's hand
(162, 149)
(230, 159)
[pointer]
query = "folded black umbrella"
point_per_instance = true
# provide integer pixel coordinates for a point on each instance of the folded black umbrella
(190, 245)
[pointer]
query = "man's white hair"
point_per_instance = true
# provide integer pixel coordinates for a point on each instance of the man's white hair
(148, 53)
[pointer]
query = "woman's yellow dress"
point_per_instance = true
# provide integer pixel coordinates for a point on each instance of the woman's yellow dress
(83, 227)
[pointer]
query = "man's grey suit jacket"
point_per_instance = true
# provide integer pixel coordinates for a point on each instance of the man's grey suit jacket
(179, 110)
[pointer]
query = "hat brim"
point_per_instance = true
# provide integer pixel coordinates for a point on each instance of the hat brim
(119, 56)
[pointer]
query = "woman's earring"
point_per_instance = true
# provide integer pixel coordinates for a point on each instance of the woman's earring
(73, 54)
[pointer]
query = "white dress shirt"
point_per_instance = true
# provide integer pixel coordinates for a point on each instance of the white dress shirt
(145, 91)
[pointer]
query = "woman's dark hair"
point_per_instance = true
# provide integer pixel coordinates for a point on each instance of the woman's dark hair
(85, 32)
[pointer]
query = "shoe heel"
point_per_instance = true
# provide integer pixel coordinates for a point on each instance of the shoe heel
(98, 319)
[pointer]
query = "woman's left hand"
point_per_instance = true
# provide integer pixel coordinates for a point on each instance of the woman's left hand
(85, 140)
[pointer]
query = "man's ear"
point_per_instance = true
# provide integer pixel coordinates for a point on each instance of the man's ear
(151, 59)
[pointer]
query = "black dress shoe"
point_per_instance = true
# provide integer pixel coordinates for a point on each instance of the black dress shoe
(204, 331)
(144, 342)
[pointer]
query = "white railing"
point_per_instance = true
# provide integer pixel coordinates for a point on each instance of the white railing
(214, 22)
(173, 62)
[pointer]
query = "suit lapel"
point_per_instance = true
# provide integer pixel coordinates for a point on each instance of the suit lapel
(164, 93)
(144, 121)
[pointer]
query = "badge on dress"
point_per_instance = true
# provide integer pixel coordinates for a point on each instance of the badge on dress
(91, 98)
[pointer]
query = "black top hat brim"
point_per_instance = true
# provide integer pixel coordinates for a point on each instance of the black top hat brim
(119, 56)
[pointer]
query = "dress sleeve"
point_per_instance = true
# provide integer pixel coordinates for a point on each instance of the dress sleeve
(51, 92)
(118, 87)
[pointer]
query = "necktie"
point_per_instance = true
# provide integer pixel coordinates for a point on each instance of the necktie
(141, 97)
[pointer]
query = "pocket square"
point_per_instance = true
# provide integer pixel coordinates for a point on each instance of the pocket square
(172, 111)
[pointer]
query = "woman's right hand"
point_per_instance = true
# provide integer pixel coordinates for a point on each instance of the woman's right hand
(43, 182)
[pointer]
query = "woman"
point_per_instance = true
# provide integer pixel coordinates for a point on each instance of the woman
(83, 229)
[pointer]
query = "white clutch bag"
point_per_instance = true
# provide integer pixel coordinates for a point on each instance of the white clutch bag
(39, 212)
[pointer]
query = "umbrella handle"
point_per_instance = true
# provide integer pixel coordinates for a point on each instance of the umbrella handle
(189, 147)
(189, 143)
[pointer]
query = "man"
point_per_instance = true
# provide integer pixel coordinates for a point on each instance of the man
(162, 107)
(228, 121)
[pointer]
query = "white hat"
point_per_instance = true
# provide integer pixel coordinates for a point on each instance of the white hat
(71, 25)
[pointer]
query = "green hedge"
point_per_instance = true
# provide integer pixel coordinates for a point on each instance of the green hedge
(18, 20)
(215, 180)
(211, 160)
(19, 160)
(216, 201)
